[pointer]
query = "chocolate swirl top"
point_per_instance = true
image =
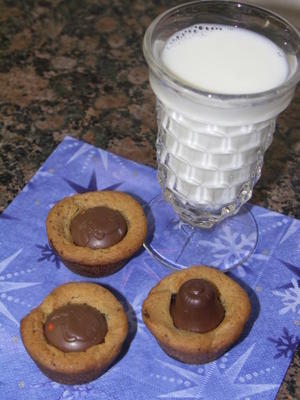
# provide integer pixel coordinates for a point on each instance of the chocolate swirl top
(98, 228)
(196, 307)
(75, 327)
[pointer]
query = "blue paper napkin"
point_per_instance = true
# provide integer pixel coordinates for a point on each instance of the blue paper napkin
(29, 270)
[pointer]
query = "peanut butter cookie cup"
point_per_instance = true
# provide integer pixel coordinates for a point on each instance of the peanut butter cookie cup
(75, 334)
(196, 314)
(96, 232)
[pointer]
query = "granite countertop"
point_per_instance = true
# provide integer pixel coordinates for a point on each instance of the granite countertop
(76, 67)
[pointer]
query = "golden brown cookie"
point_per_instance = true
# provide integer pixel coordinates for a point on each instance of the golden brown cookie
(89, 261)
(81, 366)
(192, 347)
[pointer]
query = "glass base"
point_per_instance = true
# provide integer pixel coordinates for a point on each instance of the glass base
(178, 245)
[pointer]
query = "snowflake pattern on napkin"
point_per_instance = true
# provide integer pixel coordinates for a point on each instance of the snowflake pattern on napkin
(253, 369)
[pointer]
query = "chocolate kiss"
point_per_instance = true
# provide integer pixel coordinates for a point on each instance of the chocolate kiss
(75, 327)
(98, 228)
(196, 307)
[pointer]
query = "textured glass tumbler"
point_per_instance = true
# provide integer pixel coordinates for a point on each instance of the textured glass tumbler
(210, 146)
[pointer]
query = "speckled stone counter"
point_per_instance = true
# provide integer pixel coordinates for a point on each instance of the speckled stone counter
(76, 67)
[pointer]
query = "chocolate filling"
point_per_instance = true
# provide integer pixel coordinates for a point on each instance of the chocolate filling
(98, 228)
(75, 327)
(196, 307)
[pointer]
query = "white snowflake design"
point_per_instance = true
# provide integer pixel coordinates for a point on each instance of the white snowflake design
(230, 245)
(290, 298)
(248, 265)
(75, 392)
(41, 173)
(7, 286)
(216, 376)
(91, 154)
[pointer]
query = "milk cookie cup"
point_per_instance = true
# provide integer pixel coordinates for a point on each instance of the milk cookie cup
(193, 347)
(81, 366)
(92, 262)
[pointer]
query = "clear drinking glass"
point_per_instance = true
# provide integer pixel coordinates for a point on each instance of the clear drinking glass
(210, 146)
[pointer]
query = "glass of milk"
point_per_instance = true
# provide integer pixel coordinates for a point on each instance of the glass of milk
(221, 71)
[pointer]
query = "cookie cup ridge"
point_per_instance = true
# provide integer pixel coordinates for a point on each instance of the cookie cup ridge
(191, 347)
(95, 262)
(75, 367)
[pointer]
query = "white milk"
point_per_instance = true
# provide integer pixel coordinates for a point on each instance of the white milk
(224, 59)
(213, 154)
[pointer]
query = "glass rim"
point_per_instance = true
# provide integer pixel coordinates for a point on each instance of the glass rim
(176, 83)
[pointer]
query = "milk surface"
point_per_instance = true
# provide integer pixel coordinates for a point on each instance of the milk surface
(223, 59)
(211, 154)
